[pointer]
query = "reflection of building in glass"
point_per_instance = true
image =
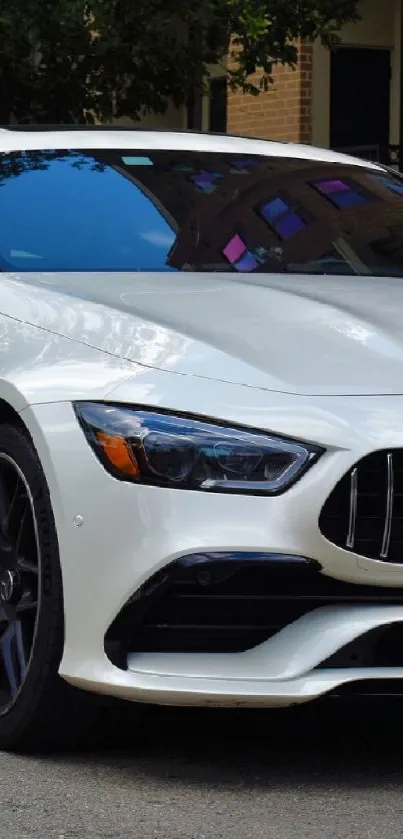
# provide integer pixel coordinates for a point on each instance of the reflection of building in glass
(270, 214)
(285, 216)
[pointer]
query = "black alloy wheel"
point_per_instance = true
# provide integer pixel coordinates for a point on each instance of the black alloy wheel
(38, 710)
(20, 571)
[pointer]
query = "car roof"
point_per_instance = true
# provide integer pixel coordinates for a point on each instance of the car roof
(30, 138)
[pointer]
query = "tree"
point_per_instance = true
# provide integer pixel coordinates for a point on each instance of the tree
(67, 61)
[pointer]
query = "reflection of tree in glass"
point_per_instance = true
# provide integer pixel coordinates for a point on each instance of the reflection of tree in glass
(14, 164)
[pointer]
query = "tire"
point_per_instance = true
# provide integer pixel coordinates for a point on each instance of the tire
(43, 712)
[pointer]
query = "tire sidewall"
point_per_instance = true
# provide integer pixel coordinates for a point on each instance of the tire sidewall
(48, 641)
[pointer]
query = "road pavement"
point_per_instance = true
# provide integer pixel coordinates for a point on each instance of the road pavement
(319, 774)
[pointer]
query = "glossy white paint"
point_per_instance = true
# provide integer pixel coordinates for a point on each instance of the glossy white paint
(342, 336)
(208, 692)
(319, 362)
(128, 533)
(290, 654)
(17, 140)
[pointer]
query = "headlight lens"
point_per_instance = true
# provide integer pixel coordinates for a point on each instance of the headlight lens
(162, 449)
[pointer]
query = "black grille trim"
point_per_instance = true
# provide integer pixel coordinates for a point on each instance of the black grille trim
(364, 513)
(211, 604)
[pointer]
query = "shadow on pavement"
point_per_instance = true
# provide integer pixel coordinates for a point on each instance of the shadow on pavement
(355, 744)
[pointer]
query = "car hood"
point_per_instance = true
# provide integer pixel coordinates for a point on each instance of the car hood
(312, 335)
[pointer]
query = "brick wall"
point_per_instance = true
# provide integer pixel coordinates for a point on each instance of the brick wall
(281, 113)
(304, 71)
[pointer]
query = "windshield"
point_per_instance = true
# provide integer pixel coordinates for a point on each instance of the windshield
(119, 210)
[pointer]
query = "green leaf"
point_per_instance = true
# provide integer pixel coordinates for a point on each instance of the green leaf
(66, 61)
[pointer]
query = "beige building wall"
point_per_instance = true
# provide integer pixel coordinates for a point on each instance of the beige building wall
(380, 27)
(174, 119)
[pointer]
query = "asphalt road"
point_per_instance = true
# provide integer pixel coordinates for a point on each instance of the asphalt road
(317, 774)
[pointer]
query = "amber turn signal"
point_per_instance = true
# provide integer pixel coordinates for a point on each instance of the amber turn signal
(117, 450)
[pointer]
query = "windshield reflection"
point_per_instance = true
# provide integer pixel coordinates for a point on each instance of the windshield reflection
(111, 210)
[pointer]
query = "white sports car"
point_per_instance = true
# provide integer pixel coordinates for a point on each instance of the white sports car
(201, 424)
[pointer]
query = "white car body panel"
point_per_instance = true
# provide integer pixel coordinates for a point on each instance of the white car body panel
(185, 141)
(286, 524)
(348, 333)
(321, 363)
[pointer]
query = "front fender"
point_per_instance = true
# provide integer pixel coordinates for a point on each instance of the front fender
(38, 366)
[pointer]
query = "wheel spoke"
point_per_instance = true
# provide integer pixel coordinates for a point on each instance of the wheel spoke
(26, 566)
(13, 504)
(7, 505)
(13, 655)
(28, 602)
(4, 614)
(3, 507)
(19, 580)
(21, 527)
(20, 645)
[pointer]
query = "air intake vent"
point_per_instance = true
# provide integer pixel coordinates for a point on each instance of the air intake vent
(227, 605)
(364, 513)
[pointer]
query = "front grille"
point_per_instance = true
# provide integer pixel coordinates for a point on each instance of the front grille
(230, 605)
(364, 513)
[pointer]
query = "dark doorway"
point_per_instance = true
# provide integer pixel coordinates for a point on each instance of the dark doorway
(218, 105)
(359, 97)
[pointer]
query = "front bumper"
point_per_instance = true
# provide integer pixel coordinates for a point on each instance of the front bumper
(130, 533)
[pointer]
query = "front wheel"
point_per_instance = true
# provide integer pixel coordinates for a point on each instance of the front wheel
(38, 710)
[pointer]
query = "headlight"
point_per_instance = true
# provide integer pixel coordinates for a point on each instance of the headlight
(151, 447)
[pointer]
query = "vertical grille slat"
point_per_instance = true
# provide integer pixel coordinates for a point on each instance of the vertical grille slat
(389, 507)
(353, 509)
(363, 514)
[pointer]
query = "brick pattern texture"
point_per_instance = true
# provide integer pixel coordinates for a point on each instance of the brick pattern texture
(281, 113)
